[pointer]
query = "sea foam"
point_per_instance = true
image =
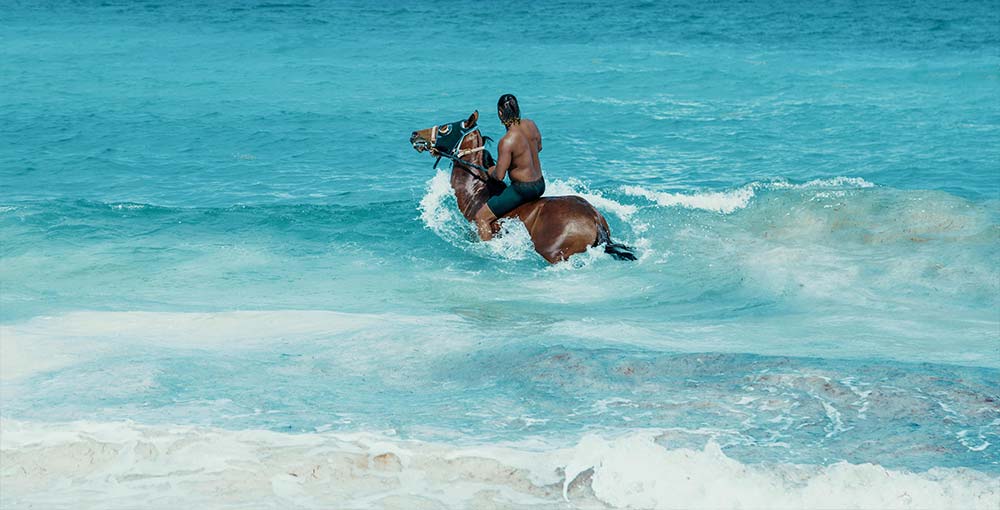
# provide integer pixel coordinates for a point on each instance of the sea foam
(113, 465)
(726, 202)
(48, 343)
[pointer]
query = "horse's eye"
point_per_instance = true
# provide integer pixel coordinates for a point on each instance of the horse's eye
(445, 129)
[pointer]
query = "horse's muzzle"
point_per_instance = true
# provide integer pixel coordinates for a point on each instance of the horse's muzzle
(419, 143)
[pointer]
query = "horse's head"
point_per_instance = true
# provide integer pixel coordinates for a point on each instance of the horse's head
(445, 137)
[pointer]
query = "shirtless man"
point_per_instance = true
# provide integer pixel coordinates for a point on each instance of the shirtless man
(517, 155)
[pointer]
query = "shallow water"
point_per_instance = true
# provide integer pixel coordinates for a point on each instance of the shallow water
(214, 233)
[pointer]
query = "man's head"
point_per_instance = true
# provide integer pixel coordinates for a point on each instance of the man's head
(508, 110)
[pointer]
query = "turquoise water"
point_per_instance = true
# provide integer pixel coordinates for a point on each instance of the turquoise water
(210, 216)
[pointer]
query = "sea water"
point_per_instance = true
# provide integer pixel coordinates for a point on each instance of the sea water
(227, 280)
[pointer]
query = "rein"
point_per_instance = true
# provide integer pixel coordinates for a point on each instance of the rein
(457, 158)
(464, 163)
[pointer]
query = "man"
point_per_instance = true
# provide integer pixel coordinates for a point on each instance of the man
(517, 155)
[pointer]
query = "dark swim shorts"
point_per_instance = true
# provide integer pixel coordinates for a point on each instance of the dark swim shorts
(516, 194)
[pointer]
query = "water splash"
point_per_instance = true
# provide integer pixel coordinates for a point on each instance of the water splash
(439, 213)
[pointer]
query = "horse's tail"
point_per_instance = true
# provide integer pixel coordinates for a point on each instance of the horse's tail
(617, 250)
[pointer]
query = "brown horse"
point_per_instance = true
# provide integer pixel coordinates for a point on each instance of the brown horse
(559, 226)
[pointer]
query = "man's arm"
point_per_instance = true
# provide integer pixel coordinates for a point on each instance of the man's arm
(499, 170)
(539, 135)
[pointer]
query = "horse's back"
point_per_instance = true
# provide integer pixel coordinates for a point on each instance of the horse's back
(562, 205)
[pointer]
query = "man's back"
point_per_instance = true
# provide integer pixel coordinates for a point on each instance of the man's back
(523, 140)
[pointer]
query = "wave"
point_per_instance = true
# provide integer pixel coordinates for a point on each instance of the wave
(58, 224)
(840, 239)
(481, 376)
(726, 202)
(50, 342)
(723, 202)
(113, 464)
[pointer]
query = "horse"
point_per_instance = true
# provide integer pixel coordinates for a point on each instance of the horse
(559, 226)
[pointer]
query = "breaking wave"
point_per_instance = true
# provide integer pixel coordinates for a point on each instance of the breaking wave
(726, 202)
(113, 465)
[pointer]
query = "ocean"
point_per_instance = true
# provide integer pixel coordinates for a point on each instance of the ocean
(228, 281)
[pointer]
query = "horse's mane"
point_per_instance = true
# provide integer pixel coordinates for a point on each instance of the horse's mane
(493, 186)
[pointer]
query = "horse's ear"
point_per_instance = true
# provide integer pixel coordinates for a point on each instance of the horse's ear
(471, 121)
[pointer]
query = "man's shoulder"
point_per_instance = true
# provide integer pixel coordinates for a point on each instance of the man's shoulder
(511, 136)
(530, 124)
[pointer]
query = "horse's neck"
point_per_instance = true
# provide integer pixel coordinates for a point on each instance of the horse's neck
(470, 192)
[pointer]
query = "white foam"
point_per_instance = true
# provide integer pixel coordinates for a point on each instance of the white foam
(835, 182)
(723, 202)
(439, 211)
(634, 473)
(21, 355)
(112, 465)
(726, 202)
(593, 255)
(512, 242)
(128, 206)
(47, 343)
(192, 329)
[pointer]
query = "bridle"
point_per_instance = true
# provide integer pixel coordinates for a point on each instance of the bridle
(456, 154)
